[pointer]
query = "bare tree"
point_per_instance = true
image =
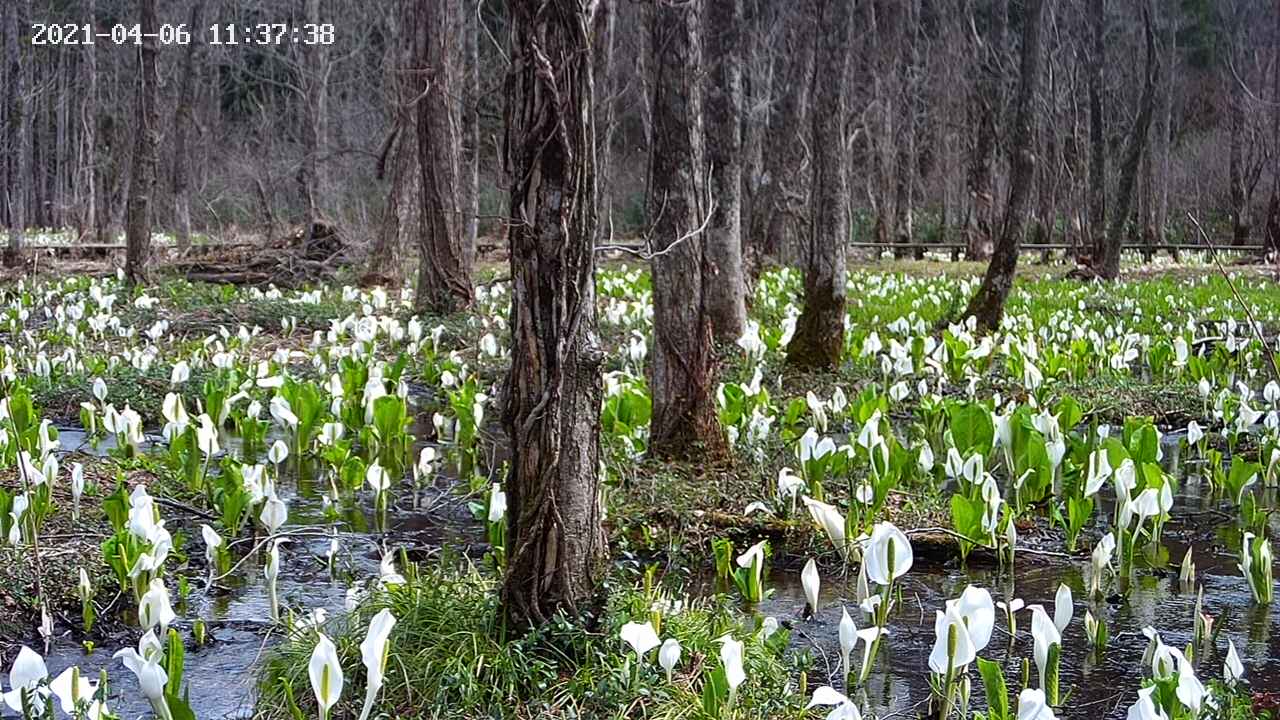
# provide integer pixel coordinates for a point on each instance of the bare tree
(985, 105)
(182, 119)
(444, 277)
(819, 335)
(556, 545)
(1108, 265)
(142, 178)
(987, 305)
(726, 294)
(684, 412)
(1097, 128)
(15, 132)
(469, 149)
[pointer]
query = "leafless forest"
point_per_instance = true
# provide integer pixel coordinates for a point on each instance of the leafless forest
(1144, 110)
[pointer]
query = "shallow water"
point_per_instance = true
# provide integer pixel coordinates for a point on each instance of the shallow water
(1102, 688)
(222, 674)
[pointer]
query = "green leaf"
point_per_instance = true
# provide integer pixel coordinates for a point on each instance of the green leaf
(997, 690)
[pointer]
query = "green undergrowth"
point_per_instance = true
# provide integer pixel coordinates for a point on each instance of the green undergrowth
(451, 657)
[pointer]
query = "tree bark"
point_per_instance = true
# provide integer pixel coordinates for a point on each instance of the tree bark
(985, 110)
(1097, 131)
(1235, 163)
(142, 178)
(15, 134)
(182, 118)
(603, 40)
(89, 120)
(1108, 266)
(444, 277)
(397, 159)
(1273, 206)
(906, 126)
(819, 337)
(1165, 136)
(726, 294)
(469, 149)
(556, 544)
(315, 87)
(783, 195)
(684, 414)
(987, 305)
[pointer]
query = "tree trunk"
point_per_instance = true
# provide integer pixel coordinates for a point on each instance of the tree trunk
(757, 98)
(604, 38)
(398, 159)
(1097, 131)
(1108, 265)
(907, 160)
(315, 86)
(987, 305)
(89, 121)
(1235, 154)
(985, 108)
(182, 117)
(142, 177)
(726, 295)
(556, 544)
(444, 277)
(819, 335)
(469, 150)
(684, 413)
(782, 193)
(1273, 207)
(1165, 136)
(15, 133)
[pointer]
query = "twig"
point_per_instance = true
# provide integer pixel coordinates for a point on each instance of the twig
(175, 505)
(1248, 311)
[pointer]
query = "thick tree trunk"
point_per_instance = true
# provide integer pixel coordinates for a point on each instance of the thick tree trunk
(444, 277)
(15, 133)
(182, 118)
(1097, 131)
(556, 544)
(819, 335)
(987, 305)
(142, 177)
(757, 98)
(1108, 266)
(726, 296)
(684, 414)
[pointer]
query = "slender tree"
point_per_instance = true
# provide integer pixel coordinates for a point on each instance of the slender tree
(444, 277)
(142, 176)
(15, 133)
(987, 305)
(556, 545)
(1108, 265)
(819, 335)
(182, 120)
(684, 411)
(985, 105)
(726, 294)
(1097, 128)
(469, 149)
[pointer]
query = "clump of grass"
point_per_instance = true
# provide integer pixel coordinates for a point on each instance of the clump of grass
(451, 656)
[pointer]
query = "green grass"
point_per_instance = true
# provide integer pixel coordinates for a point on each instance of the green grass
(450, 658)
